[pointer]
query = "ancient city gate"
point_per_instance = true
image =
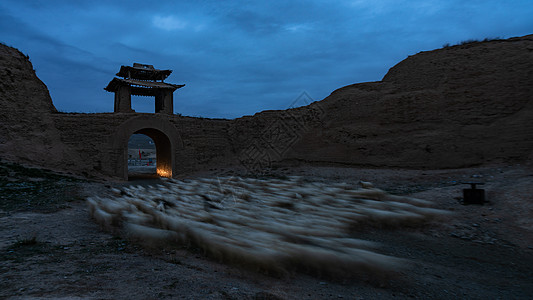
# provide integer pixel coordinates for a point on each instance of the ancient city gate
(164, 134)
(145, 80)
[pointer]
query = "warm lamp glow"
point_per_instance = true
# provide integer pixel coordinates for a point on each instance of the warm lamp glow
(164, 173)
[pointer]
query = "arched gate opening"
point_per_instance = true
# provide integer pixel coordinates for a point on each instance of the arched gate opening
(142, 159)
(163, 150)
(164, 134)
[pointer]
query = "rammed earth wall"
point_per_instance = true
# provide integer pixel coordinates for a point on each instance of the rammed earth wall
(455, 107)
(101, 139)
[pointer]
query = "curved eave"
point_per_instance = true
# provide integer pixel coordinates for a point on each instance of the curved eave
(141, 88)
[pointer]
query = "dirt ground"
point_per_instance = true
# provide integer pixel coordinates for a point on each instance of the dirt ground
(479, 252)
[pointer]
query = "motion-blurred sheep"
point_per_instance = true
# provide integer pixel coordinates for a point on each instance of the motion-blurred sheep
(268, 224)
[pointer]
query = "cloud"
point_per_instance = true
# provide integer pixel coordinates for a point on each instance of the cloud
(298, 27)
(169, 23)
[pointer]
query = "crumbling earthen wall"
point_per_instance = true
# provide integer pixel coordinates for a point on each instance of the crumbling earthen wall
(460, 106)
(27, 132)
(454, 107)
(198, 143)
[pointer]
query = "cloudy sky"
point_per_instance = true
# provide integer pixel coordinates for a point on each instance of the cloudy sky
(239, 57)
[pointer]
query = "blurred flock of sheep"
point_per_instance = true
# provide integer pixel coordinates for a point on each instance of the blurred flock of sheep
(274, 225)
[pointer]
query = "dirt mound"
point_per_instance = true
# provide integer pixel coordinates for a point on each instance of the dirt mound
(458, 106)
(28, 132)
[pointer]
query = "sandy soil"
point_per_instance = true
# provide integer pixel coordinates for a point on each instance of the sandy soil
(480, 252)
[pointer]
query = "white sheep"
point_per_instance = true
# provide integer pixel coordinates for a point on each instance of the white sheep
(273, 225)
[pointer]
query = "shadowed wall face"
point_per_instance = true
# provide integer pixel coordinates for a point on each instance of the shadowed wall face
(163, 150)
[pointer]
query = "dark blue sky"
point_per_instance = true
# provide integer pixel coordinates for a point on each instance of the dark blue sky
(239, 57)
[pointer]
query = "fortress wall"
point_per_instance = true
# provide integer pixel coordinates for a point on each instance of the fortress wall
(454, 107)
(88, 136)
(203, 141)
(27, 132)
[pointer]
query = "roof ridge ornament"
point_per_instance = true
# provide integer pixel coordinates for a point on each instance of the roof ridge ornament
(143, 66)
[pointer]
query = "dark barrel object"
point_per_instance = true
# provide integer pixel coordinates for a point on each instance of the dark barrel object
(473, 195)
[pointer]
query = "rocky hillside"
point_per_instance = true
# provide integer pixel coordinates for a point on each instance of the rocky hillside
(27, 130)
(453, 107)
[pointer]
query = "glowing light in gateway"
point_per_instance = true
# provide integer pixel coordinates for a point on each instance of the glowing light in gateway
(164, 173)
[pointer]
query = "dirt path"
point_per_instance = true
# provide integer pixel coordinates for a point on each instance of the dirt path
(481, 252)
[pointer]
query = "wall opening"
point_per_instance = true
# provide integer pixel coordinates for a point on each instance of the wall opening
(149, 154)
(142, 104)
(142, 156)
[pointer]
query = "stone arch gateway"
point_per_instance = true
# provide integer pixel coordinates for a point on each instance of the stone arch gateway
(166, 137)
